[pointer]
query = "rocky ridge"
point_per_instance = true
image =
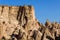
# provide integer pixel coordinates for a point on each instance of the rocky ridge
(19, 23)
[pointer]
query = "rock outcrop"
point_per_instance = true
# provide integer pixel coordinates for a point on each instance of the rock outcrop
(19, 23)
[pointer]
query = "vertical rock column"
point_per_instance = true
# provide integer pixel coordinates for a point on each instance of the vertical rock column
(29, 13)
(5, 12)
(0, 10)
(26, 16)
(13, 14)
(21, 17)
(1, 28)
(1, 31)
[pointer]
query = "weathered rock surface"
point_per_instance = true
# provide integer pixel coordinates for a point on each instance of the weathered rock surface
(19, 23)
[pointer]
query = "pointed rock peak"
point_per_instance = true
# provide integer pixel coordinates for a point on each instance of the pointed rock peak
(47, 23)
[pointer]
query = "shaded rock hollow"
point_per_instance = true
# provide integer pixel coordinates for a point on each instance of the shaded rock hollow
(19, 23)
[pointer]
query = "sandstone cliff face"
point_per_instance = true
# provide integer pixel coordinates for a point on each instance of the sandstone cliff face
(19, 23)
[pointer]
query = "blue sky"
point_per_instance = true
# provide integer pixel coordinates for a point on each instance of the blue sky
(44, 9)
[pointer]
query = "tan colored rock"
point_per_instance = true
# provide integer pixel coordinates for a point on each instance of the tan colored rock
(1, 33)
(34, 34)
(47, 23)
(55, 24)
(12, 16)
(0, 10)
(19, 23)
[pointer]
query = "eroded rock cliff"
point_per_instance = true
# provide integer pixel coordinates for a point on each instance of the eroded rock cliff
(19, 23)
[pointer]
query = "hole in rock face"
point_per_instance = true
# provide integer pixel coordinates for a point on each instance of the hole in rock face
(3, 22)
(48, 37)
(29, 31)
(17, 36)
(3, 38)
(57, 38)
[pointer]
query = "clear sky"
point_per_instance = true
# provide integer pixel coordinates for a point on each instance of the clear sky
(44, 9)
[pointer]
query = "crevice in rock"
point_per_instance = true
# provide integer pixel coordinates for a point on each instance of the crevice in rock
(43, 36)
(48, 37)
(34, 34)
(25, 23)
(2, 9)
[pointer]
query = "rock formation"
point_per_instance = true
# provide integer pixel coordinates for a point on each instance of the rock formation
(19, 23)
